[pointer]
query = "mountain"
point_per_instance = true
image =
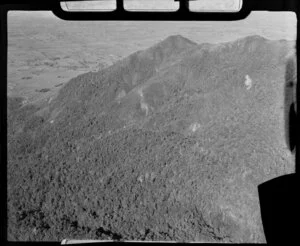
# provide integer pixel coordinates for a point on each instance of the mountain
(169, 143)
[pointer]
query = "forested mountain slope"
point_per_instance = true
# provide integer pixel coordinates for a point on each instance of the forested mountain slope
(169, 143)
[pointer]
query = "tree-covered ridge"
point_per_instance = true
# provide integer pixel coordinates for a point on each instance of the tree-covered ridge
(169, 143)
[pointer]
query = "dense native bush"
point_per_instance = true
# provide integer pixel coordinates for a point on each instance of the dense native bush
(97, 166)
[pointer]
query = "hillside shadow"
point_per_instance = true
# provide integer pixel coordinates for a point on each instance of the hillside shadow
(289, 104)
(278, 197)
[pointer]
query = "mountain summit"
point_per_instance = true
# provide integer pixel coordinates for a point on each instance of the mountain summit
(175, 42)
